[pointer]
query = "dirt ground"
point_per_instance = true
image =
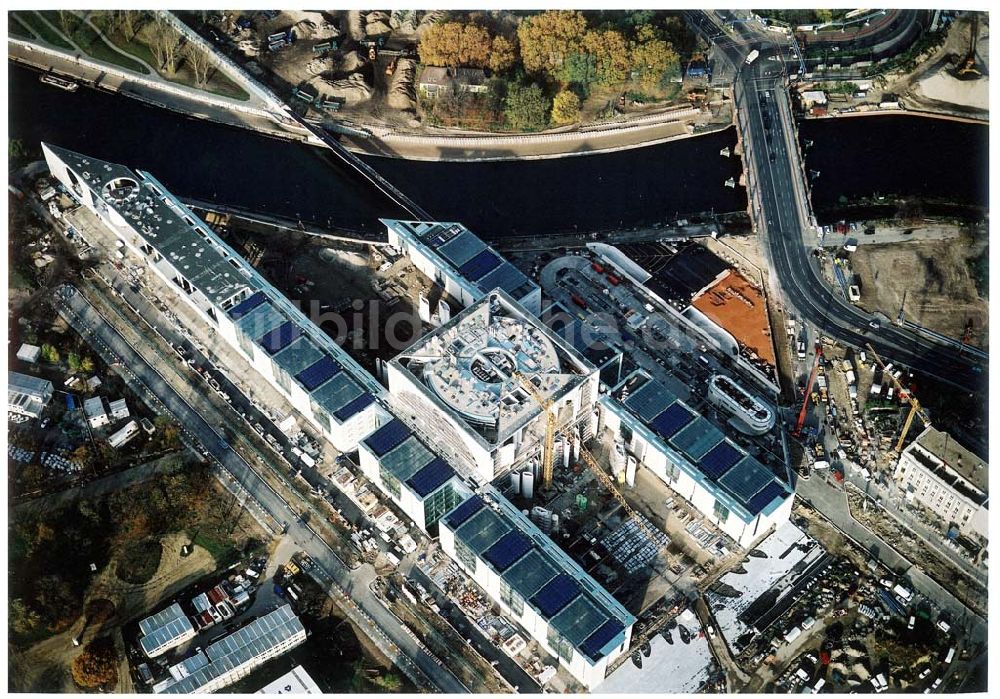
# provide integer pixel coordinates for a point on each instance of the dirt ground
(934, 85)
(939, 291)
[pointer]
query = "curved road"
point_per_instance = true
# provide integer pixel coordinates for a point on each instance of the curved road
(783, 219)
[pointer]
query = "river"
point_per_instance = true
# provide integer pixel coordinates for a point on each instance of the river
(626, 189)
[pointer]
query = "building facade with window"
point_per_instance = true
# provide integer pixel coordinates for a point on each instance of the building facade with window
(326, 386)
(940, 474)
(544, 590)
(27, 395)
(733, 490)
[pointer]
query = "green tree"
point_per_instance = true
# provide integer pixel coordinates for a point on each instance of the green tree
(565, 107)
(58, 603)
(653, 58)
(579, 71)
(503, 54)
(86, 363)
(97, 665)
(73, 361)
(526, 108)
(50, 354)
(549, 38)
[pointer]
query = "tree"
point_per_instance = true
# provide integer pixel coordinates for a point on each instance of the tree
(99, 610)
(165, 43)
(200, 62)
(579, 71)
(22, 618)
(128, 20)
(549, 38)
(526, 108)
(565, 107)
(652, 57)
(503, 54)
(611, 55)
(73, 361)
(65, 19)
(50, 354)
(57, 602)
(475, 46)
(87, 363)
(97, 665)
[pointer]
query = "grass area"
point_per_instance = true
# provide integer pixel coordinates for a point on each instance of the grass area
(17, 28)
(223, 552)
(139, 561)
(84, 36)
(135, 45)
(42, 30)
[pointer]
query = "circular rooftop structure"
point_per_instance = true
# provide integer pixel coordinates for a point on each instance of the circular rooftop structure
(475, 371)
(120, 190)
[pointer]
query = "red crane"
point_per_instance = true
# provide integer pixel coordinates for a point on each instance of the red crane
(809, 387)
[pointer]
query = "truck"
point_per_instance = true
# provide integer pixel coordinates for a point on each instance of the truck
(578, 300)
(613, 280)
(802, 350)
(752, 56)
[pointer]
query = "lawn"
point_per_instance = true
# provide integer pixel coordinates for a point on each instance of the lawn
(136, 46)
(38, 26)
(90, 41)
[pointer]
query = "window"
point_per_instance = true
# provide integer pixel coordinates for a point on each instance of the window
(282, 378)
(673, 473)
(321, 416)
(245, 343)
(390, 482)
(721, 512)
(439, 504)
(465, 556)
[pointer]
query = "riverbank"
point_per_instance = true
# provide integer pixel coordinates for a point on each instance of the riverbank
(642, 131)
(899, 112)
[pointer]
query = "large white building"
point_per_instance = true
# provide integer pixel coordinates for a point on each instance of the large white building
(235, 656)
(324, 384)
(468, 378)
(27, 395)
(420, 482)
(748, 412)
(565, 610)
(949, 480)
(729, 487)
(164, 630)
(462, 264)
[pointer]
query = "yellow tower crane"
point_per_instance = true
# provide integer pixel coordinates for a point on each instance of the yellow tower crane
(915, 408)
(550, 426)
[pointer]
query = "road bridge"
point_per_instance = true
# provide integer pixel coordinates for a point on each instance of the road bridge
(778, 192)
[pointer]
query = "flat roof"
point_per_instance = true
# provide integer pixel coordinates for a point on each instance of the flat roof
(698, 447)
(295, 681)
(468, 366)
(30, 385)
(678, 271)
(240, 647)
(229, 283)
(163, 628)
(740, 309)
(403, 453)
(459, 252)
(563, 594)
(955, 456)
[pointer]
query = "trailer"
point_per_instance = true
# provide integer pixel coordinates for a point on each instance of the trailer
(752, 56)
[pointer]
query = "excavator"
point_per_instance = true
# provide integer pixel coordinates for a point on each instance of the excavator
(967, 68)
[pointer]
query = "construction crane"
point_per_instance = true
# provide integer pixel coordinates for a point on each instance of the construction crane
(809, 387)
(915, 408)
(550, 425)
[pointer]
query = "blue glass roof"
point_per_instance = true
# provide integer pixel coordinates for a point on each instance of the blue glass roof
(316, 375)
(460, 514)
(762, 499)
(276, 340)
(480, 265)
(671, 420)
(650, 400)
(387, 437)
(601, 637)
(299, 355)
(430, 477)
(719, 460)
(507, 550)
(746, 479)
(247, 305)
(530, 574)
(556, 594)
(579, 619)
(336, 393)
(461, 249)
(260, 320)
(507, 277)
(482, 530)
(697, 438)
(354, 407)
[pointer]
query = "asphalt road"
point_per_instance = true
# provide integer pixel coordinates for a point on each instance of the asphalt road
(784, 227)
(257, 493)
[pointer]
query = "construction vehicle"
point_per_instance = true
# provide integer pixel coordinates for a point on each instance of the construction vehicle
(797, 431)
(915, 408)
(967, 68)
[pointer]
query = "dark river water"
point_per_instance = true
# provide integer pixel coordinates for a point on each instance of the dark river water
(637, 187)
